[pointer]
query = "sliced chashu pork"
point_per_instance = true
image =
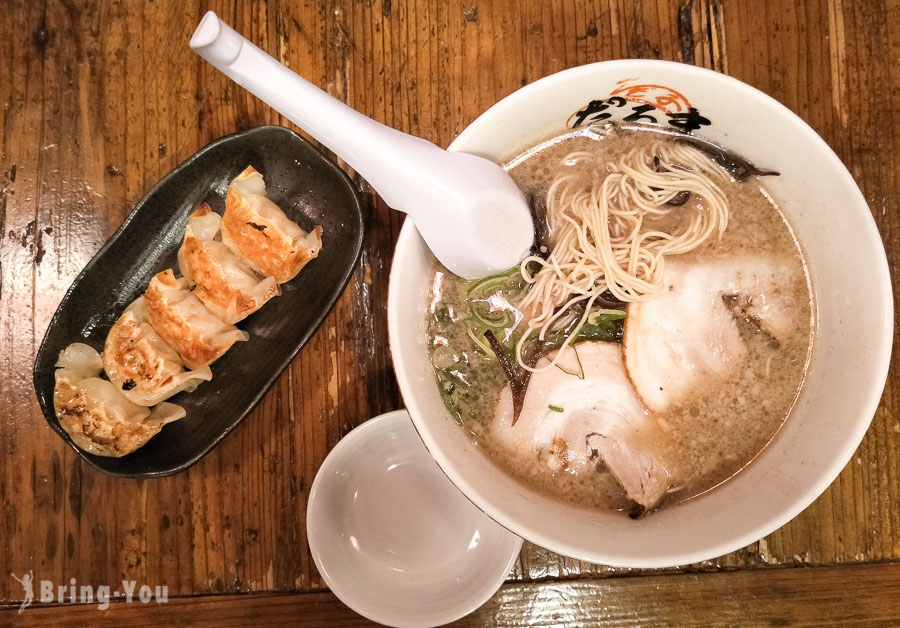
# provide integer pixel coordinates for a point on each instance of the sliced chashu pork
(574, 423)
(685, 338)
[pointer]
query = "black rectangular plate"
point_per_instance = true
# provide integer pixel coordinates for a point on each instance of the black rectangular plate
(310, 189)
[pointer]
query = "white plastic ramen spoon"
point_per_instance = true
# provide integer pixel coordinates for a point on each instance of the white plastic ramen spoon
(467, 208)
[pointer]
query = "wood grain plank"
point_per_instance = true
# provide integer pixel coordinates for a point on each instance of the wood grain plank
(795, 596)
(103, 98)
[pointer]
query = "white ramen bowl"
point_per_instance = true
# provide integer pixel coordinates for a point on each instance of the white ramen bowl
(850, 353)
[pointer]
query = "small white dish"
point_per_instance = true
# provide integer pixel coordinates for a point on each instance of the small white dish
(393, 538)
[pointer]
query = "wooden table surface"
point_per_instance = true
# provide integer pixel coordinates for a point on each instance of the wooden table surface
(101, 99)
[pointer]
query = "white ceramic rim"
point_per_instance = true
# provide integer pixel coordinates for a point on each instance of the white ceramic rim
(390, 421)
(870, 397)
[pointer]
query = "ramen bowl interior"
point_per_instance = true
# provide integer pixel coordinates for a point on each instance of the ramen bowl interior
(850, 352)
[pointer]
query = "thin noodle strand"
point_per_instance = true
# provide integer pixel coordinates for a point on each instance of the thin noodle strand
(612, 228)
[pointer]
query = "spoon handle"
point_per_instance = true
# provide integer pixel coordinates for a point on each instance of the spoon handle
(383, 156)
(467, 208)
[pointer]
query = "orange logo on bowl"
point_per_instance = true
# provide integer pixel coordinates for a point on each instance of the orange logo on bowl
(663, 98)
(641, 104)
